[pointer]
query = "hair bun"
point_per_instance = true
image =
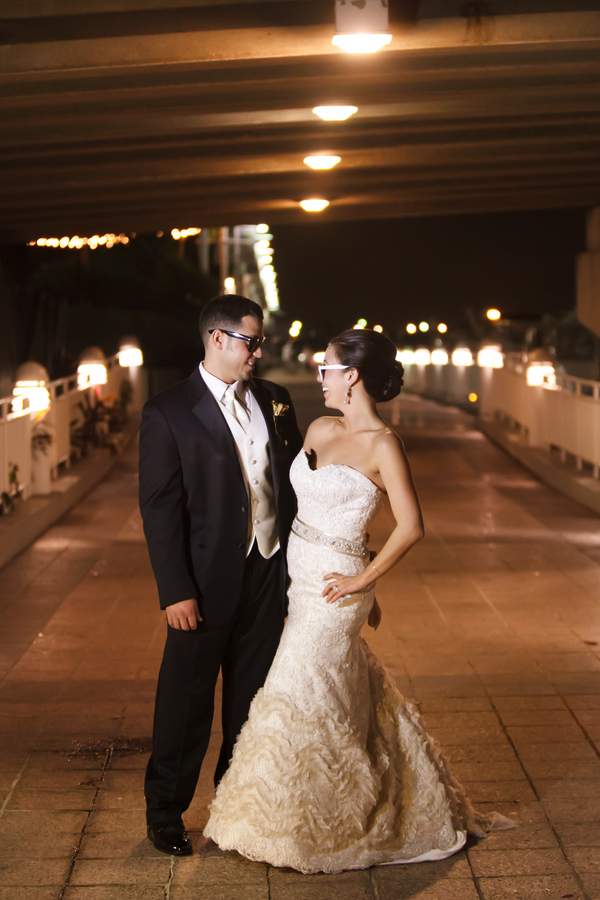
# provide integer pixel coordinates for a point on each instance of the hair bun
(394, 382)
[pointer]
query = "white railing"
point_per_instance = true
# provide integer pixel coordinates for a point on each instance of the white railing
(65, 415)
(562, 413)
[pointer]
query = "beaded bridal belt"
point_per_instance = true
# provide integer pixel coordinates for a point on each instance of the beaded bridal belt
(340, 545)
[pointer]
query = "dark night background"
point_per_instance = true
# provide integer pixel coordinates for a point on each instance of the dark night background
(392, 271)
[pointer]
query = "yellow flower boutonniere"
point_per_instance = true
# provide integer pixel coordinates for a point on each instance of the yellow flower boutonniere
(279, 409)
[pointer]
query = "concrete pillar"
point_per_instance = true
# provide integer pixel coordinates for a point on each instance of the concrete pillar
(588, 275)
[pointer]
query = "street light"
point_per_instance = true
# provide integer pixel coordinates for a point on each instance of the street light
(361, 27)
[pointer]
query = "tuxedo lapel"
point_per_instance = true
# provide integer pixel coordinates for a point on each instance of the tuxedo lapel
(206, 409)
(265, 402)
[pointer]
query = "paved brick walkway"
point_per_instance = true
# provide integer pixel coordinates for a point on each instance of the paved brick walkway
(492, 623)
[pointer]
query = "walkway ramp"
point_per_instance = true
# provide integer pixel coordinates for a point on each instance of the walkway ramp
(492, 623)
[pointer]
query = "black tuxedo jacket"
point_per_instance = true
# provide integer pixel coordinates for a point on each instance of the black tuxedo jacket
(193, 499)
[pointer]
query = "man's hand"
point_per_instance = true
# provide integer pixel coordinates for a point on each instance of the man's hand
(185, 615)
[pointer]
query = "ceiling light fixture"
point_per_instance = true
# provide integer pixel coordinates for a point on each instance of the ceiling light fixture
(361, 27)
(314, 205)
(335, 113)
(322, 162)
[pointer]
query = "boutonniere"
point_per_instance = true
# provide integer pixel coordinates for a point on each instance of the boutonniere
(279, 409)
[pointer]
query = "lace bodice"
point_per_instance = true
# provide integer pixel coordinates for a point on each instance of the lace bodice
(335, 499)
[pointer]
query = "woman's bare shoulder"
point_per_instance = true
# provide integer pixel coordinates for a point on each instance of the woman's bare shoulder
(387, 444)
(322, 427)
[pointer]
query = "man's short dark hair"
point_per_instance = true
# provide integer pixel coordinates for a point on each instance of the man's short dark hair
(227, 311)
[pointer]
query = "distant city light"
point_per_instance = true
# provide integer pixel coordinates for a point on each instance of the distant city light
(439, 358)
(335, 113)
(322, 162)
(314, 205)
(473, 398)
(493, 315)
(295, 329)
(422, 356)
(423, 326)
(411, 328)
(262, 229)
(377, 328)
(76, 242)
(442, 328)
(361, 43)
(462, 356)
(302, 357)
(179, 234)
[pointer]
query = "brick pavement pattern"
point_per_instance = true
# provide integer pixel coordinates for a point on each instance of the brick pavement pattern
(492, 623)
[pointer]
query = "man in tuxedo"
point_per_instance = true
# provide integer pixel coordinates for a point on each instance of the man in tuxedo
(217, 506)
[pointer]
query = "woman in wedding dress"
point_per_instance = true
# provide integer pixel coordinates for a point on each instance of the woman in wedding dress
(333, 770)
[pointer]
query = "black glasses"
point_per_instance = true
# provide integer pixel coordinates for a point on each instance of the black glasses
(253, 342)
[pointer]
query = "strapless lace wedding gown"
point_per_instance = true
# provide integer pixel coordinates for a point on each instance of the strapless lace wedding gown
(332, 770)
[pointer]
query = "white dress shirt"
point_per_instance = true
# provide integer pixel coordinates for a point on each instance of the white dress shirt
(252, 445)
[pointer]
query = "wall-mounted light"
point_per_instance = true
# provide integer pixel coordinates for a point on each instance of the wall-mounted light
(422, 356)
(322, 162)
(314, 205)
(439, 358)
(541, 374)
(462, 356)
(92, 368)
(406, 357)
(361, 27)
(490, 357)
(129, 352)
(335, 113)
(31, 382)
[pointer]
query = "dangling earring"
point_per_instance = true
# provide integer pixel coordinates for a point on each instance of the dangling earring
(348, 394)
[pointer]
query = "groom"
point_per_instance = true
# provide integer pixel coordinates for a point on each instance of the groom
(217, 505)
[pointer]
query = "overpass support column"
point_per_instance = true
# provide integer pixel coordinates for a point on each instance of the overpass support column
(588, 275)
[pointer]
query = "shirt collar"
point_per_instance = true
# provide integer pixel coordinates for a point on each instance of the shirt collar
(218, 387)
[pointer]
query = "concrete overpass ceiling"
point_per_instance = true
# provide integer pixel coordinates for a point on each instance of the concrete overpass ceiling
(135, 115)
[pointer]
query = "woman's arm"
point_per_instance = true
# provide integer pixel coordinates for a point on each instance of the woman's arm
(396, 477)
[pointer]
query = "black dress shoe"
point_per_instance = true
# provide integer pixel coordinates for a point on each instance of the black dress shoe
(171, 838)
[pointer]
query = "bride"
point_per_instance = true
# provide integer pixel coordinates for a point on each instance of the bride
(333, 770)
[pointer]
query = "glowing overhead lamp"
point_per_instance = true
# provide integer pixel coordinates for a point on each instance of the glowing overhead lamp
(295, 329)
(439, 358)
(361, 324)
(423, 326)
(335, 113)
(129, 352)
(378, 328)
(92, 368)
(262, 229)
(494, 315)
(442, 328)
(361, 27)
(322, 162)
(314, 205)
(411, 328)
(31, 383)
(462, 356)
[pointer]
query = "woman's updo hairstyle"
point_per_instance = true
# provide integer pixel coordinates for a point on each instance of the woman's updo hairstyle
(374, 357)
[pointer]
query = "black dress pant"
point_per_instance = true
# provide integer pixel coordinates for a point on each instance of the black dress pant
(244, 649)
